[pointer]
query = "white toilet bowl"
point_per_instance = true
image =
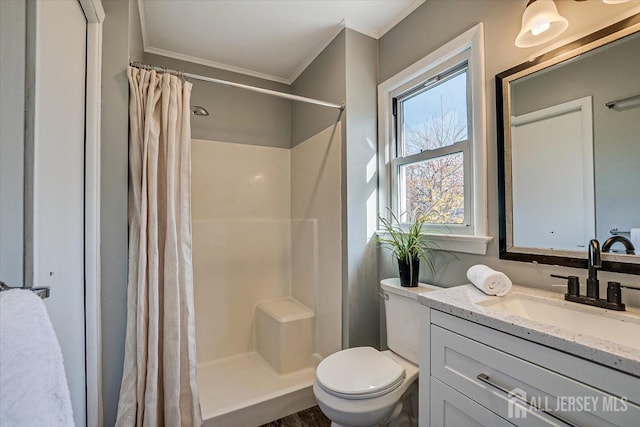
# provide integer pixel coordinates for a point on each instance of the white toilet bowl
(362, 387)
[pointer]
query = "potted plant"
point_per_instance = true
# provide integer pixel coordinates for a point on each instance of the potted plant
(408, 244)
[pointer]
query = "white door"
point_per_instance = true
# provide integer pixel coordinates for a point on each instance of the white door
(552, 177)
(58, 180)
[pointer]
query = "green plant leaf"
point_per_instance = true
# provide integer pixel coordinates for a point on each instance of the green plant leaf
(412, 243)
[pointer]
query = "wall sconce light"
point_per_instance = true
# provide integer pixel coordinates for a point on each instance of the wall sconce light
(540, 23)
(615, 1)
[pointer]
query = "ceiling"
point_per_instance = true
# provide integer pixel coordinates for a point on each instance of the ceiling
(270, 39)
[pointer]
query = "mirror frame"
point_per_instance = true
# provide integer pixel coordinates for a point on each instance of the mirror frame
(611, 262)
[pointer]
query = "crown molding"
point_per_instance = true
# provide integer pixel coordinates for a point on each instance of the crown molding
(213, 64)
(317, 51)
(406, 12)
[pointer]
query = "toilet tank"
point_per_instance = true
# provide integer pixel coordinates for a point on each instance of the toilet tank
(402, 313)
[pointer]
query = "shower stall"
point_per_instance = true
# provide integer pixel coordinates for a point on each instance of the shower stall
(267, 274)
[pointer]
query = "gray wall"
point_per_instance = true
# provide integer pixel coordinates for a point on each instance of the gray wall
(236, 115)
(12, 92)
(113, 203)
(361, 190)
(432, 25)
(606, 76)
(136, 48)
(323, 79)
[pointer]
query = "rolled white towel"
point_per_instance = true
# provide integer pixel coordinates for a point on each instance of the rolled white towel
(488, 280)
(33, 386)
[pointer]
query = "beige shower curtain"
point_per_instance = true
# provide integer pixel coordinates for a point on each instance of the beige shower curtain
(159, 386)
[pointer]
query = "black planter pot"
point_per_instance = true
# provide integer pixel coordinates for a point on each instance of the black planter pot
(409, 272)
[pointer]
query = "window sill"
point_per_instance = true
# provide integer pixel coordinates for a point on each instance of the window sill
(458, 242)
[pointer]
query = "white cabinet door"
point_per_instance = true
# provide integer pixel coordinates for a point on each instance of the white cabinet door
(493, 368)
(452, 409)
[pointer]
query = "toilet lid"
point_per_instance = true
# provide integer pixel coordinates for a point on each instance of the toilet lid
(358, 372)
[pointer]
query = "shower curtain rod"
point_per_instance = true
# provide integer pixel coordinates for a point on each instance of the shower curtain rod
(239, 85)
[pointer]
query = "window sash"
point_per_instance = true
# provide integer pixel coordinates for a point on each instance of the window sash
(451, 69)
(397, 187)
(425, 86)
(431, 154)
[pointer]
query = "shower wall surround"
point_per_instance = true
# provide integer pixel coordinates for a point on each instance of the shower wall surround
(266, 225)
(241, 240)
(315, 196)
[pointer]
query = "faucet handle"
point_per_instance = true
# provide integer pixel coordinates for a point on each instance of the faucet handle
(614, 293)
(573, 284)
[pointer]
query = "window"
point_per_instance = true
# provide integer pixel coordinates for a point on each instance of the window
(431, 146)
(432, 143)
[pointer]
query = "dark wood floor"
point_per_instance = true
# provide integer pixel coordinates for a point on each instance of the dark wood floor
(312, 417)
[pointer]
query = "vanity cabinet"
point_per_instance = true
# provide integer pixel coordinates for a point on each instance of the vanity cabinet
(473, 375)
(453, 409)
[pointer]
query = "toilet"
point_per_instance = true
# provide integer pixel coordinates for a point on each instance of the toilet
(362, 386)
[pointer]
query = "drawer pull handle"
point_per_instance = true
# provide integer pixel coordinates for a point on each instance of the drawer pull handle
(485, 379)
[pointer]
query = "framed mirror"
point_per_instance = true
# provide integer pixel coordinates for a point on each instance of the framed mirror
(569, 152)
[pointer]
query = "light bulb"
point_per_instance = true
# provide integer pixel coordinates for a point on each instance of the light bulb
(540, 28)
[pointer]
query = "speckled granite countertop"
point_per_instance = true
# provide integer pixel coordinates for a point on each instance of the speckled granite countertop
(469, 303)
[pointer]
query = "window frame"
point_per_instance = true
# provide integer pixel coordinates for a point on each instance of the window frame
(458, 238)
(446, 71)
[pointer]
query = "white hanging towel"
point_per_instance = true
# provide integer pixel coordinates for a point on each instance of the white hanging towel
(488, 280)
(33, 385)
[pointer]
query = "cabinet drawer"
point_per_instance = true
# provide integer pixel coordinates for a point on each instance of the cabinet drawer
(448, 408)
(609, 380)
(459, 361)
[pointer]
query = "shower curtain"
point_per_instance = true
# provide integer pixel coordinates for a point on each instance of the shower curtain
(159, 386)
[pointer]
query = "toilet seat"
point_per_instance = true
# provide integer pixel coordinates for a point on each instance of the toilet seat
(359, 373)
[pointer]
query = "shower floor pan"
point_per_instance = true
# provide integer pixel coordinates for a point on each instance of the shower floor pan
(244, 390)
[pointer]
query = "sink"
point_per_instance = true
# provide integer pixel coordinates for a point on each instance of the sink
(619, 328)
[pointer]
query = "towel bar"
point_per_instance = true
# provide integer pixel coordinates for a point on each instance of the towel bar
(615, 231)
(41, 291)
